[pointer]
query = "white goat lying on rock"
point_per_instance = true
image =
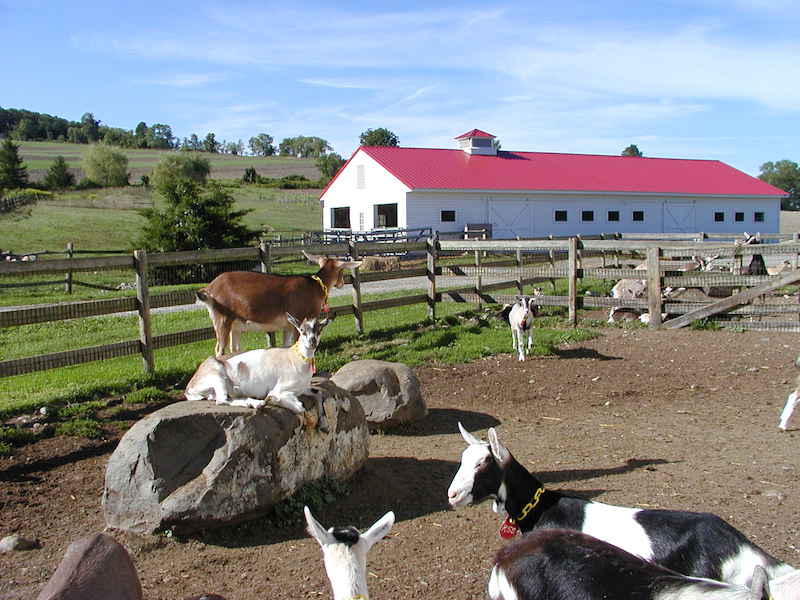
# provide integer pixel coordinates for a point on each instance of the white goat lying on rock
(564, 565)
(344, 552)
(254, 378)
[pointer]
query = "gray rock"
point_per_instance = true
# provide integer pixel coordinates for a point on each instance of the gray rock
(195, 465)
(96, 566)
(15, 542)
(388, 391)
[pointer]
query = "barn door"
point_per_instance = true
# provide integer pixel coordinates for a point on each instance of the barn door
(510, 219)
(680, 217)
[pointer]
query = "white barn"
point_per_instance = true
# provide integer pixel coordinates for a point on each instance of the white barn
(536, 194)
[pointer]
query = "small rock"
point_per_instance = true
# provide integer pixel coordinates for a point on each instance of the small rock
(17, 542)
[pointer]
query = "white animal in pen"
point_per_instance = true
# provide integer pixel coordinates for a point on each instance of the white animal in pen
(344, 552)
(240, 301)
(520, 318)
(564, 565)
(791, 402)
(693, 544)
(272, 375)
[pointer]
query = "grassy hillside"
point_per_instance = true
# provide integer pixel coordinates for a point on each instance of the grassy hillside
(108, 219)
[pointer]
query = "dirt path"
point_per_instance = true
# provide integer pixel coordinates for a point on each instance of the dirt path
(682, 419)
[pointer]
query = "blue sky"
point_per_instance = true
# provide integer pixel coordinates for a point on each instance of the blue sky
(715, 79)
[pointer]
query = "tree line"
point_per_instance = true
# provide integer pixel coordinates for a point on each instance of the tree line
(25, 125)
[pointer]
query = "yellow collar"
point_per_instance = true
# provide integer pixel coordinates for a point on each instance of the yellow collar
(529, 506)
(325, 291)
(300, 354)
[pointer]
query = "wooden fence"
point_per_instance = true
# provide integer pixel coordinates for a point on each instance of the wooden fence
(474, 271)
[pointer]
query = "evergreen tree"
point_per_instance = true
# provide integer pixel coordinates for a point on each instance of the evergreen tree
(194, 221)
(13, 174)
(59, 177)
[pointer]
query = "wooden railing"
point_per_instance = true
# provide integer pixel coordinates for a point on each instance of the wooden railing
(473, 271)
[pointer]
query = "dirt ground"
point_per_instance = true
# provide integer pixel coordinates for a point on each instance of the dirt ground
(671, 419)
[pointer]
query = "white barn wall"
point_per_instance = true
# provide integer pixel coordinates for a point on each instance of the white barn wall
(380, 187)
(533, 213)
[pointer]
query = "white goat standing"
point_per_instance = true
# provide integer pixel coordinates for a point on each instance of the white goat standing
(274, 375)
(520, 317)
(344, 552)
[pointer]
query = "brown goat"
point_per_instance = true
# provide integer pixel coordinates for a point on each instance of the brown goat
(240, 301)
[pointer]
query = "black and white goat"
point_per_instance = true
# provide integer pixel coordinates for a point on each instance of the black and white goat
(344, 552)
(556, 564)
(693, 544)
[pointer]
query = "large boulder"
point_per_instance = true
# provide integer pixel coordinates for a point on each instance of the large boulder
(195, 465)
(388, 391)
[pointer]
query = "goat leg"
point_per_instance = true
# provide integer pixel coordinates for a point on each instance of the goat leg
(323, 418)
(786, 414)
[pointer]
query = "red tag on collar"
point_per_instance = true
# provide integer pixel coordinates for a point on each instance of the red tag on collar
(325, 308)
(508, 530)
(313, 366)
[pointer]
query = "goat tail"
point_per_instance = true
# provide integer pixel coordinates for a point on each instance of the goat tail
(204, 297)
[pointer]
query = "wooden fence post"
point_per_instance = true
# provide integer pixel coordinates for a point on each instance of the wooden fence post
(68, 285)
(266, 267)
(520, 286)
(478, 278)
(433, 243)
(551, 255)
(143, 303)
(573, 280)
(357, 312)
(654, 285)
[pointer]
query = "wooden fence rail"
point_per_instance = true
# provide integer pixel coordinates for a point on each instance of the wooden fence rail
(451, 277)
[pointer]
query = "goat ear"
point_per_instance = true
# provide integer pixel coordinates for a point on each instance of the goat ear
(348, 264)
(759, 585)
(314, 258)
(292, 320)
(501, 454)
(316, 530)
(328, 320)
(379, 529)
(472, 440)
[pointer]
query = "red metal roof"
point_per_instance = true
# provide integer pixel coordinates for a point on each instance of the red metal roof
(444, 169)
(476, 133)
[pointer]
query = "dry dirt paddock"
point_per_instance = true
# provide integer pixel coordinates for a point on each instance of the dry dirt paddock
(678, 419)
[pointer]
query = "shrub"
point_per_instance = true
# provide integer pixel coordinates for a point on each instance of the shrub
(105, 165)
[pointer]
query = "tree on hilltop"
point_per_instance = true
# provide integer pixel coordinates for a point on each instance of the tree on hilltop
(632, 150)
(378, 137)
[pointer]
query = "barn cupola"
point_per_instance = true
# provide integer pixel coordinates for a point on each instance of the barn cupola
(477, 142)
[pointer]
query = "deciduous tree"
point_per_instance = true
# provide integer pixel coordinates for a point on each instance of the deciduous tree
(175, 166)
(632, 150)
(378, 137)
(261, 145)
(105, 166)
(329, 166)
(784, 174)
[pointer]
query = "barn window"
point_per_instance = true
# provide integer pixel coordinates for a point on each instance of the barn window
(386, 215)
(360, 177)
(739, 217)
(613, 215)
(340, 217)
(587, 215)
(719, 217)
(758, 217)
(638, 215)
(448, 216)
(561, 215)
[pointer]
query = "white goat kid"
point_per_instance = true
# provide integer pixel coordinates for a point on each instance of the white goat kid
(271, 375)
(520, 317)
(344, 552)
